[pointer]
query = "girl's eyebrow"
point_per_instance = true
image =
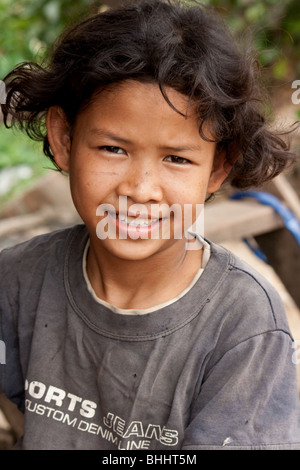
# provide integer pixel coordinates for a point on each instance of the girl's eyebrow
(103, 133)
(183, 148)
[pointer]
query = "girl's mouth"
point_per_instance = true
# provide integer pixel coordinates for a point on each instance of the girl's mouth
(136, 221)
(136, 227)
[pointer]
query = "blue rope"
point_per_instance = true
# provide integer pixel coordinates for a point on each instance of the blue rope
(289, 219)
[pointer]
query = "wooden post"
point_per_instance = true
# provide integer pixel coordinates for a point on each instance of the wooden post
(283, 254)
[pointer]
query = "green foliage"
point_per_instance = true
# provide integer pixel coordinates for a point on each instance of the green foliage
(275, 28)
(17, 149)
(29, 27)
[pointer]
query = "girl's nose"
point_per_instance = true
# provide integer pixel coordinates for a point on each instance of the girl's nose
(141, 184)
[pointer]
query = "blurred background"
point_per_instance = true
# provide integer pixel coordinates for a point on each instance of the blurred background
(34, 200)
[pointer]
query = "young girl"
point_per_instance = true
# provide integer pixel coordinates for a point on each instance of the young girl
(121, 333)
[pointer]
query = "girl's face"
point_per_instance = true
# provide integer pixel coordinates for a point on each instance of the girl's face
(131, 160)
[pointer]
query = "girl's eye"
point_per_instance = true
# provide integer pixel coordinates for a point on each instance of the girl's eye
(176, 159)
(112, 149)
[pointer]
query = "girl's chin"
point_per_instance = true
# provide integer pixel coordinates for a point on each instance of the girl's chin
(140, 249)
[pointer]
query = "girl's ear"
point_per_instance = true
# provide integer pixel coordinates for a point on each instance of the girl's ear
(220, 170)
(58, 131)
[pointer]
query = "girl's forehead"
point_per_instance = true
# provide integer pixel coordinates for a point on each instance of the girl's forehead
(147, 99)
(133, 111)
(134, 94)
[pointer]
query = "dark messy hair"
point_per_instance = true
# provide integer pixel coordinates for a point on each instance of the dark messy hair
(184, 47)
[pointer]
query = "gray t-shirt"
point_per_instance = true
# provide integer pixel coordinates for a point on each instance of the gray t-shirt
(212, 370)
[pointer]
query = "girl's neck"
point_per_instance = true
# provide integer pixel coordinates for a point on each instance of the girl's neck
(141, 284)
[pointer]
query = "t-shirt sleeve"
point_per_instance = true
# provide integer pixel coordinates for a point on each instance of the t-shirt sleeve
(249, 398)
(11, 379)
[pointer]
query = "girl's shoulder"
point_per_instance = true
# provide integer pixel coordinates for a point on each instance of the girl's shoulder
(37, 251)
